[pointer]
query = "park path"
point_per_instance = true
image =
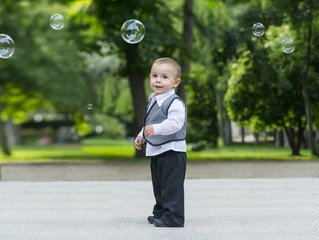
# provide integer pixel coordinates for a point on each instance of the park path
(128, 171)
(257, 200)
(215, 209)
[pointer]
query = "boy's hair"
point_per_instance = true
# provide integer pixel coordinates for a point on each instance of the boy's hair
(171, 62)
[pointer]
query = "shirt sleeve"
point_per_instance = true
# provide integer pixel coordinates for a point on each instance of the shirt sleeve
(141, 132)
(174, 122)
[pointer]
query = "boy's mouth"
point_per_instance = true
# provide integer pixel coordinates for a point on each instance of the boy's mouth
(158, 87)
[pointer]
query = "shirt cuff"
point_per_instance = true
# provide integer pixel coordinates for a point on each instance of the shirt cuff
(141, 133)
(157, 129)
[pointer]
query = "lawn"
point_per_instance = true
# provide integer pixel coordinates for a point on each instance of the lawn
(100, 149)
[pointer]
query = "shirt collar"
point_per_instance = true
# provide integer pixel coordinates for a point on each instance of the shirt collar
(162, 97)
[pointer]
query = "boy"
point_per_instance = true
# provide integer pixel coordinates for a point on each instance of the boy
(164, 133)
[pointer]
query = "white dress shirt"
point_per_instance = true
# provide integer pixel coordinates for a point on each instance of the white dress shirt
(173, 123)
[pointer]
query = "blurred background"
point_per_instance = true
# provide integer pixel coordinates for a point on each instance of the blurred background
(80, 92)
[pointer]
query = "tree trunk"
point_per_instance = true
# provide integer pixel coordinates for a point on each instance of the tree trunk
(256, 135)
(289, 137)
(305, 140)
(285, 138)
(4, 139)
(13, 133)
(293, 142)
(305, 92)
(228, 130)
(279, 138)
(188, 41)
(220, 113)
(317, 140)
(242, 134)
(137, 90)
(301, 129)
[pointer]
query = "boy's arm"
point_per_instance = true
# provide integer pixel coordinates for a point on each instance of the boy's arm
(174, 122)
(139, 140)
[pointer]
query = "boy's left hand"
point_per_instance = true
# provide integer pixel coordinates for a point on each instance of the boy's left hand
(149, 131)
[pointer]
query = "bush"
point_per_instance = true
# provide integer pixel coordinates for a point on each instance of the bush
(107, 126)
(202, 115)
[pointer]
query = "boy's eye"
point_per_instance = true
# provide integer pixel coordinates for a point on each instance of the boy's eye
(154, 75)
(165, 77)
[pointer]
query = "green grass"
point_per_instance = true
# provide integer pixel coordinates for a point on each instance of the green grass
(99, 149)
(250, 152)
(89, 150)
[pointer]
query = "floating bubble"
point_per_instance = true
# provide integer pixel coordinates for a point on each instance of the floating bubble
(99, 129)
(258, 29)
(287, 45)
(6, 46)
(38, 117)
(90, 106)
(57, 21)
(133, 31)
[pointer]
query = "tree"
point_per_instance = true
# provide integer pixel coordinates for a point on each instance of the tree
(3, 136)
(222, 38)
(160, 40)
(202, 115)
(264, 88)
(187, 46)
(45, 68)
(301, 16)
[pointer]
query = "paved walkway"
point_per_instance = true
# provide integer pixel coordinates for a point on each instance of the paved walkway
(257, 200)
(127, 171)
(223, 209)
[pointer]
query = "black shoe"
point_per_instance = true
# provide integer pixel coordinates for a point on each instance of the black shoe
(160, 223)
(150, 219)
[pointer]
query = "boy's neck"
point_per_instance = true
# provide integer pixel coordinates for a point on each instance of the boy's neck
(155, 95)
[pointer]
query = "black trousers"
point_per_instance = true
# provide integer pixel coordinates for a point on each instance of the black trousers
(168, 174)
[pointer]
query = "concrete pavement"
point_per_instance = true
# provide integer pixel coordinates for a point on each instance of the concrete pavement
(225, 209)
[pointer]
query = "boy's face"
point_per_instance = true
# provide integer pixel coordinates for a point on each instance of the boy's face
(163, 78)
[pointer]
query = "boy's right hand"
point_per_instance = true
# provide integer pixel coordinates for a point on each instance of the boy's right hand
(138, 142)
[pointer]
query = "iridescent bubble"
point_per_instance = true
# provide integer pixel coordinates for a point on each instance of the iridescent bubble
(6, 46)
(133, 31)
(258, 29)
(90, 106)
(57, 21)
(287, 45)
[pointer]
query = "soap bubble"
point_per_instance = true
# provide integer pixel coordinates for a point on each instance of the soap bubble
(57, 21)
(287, 45)
(133, 31)
(258, 29)
(99, 129)
(90, 106)
(6, 46)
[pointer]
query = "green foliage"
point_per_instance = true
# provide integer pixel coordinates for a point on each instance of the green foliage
(107, 91)
(266, 91)
(265, 88)
(18, 104)
(161, 38)
(45, 69)
(112, 128)
(202, 117)
(81, 126)
(265, 85)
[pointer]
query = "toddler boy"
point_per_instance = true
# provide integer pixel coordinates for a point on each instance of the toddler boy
(164, 132)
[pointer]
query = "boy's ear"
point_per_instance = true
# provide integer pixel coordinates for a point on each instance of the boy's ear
(177, 82)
